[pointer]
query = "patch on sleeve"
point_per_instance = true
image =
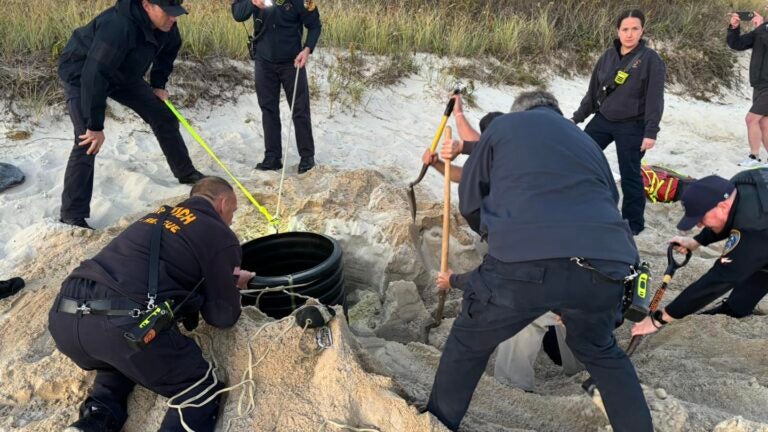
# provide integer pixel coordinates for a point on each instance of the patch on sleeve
(732, 242)
(310, 5)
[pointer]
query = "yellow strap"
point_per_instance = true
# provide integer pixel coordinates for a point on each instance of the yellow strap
(271, 220)
(654, 183)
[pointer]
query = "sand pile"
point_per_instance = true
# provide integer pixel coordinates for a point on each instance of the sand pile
(704, 373)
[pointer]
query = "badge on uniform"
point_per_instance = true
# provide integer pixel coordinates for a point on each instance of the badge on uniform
(310, 5)
(732, 242)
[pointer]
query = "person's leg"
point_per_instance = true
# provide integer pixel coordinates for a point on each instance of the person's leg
(590, 318)
(105, 407)
(754, 133)
(764, 131)
(599, 129)
(629, 139)
(78, 176)
(470, 344)
(569, 362)
(516, 356)
(302, 120)
(140, 98)
(744, 297)
(268, 95)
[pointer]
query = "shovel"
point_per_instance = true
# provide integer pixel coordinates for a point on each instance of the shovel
(448, 110)
(672, 266)
(445, 240)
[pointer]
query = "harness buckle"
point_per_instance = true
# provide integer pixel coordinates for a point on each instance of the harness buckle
(324, 337)
(135, 313)
(151, 302)
(83, 309)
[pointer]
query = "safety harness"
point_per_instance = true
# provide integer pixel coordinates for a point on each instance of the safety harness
(621, 77)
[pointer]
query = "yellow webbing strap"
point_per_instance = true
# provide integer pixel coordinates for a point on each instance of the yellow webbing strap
(271, 220)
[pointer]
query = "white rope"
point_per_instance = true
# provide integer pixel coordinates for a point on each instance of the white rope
(347, 427)
(245, 405)
(286, 145)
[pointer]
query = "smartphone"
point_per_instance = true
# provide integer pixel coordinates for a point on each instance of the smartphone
(746, 16)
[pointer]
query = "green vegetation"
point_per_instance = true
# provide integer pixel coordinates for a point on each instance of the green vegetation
(512, 41)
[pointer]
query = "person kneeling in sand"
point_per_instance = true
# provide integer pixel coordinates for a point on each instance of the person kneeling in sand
(183, 258)
(734, 210)
(535, 229)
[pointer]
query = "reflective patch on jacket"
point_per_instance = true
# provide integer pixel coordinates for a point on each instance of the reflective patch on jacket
(732, 242)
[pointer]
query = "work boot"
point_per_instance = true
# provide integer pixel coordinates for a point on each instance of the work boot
(269, 165)
(78, 222)
(191, 178)
(724, 309)
(95, 418)
(306, 164)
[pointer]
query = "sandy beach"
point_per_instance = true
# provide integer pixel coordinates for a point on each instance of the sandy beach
(701, 374)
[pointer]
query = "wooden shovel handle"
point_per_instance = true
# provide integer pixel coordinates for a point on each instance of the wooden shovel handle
(446, 208)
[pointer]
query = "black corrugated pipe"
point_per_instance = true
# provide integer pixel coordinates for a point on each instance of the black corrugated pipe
(294, 258)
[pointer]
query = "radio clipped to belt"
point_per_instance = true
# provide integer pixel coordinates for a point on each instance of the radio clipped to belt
(635, 304)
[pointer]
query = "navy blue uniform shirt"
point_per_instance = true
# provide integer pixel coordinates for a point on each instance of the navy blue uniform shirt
(115, 49)
(285, 22)
(196, 243)
(540, 188)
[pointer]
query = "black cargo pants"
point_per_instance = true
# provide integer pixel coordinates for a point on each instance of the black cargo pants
(170, 364)
(502, 298)
(78, 177)
(269, 78)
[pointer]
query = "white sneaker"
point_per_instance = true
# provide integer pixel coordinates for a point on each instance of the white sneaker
(750, 162)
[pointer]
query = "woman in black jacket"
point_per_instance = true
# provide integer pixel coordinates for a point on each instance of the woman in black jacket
(626, 94)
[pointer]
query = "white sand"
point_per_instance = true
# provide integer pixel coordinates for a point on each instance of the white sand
(712, 369)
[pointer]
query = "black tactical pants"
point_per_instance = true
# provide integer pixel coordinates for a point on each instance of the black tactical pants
(269, 78)
(628, 137)
(169, 365)
(502, 298)
(78, 178)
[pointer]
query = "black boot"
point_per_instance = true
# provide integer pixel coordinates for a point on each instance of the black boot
(306, 164)
(95, 418)
(191, 178)
(724, 309)
(269, 165)
(78, 222)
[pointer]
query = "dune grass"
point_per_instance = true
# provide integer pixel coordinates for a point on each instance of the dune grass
(521, 37)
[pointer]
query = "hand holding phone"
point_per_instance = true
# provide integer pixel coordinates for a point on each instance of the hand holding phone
(746, 16)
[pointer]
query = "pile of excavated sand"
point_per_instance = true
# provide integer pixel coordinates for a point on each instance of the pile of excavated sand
(703, 373)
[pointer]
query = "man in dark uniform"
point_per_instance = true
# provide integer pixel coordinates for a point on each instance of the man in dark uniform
(735, 211)
(197, 270)
(279, 55)
(543, 194)
(108, 59)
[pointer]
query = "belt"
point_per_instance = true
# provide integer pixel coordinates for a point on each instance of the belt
(117, 307)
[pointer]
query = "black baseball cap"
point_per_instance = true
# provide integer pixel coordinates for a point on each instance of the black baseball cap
(702, 196)
(171, 7)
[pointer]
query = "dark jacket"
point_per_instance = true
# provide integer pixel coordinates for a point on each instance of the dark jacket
(540, 188)
(285, 23)
(115, 49)
(757, 39)
(196, 243)
(641, 97)
(746, 250)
